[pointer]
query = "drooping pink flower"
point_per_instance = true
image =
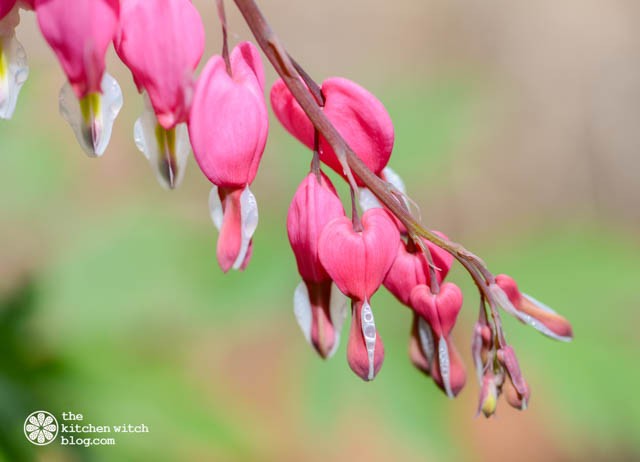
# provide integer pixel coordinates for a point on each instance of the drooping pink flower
(357, 115)
(532, 312)
(440, 312)
(161, 42)
(358, 261)
(319, 307)
(228, 128)
(410, 268)
(79, 34)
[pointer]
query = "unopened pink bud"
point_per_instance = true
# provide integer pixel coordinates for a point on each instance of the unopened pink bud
(488, 395)
(516, 388)
(532, 312)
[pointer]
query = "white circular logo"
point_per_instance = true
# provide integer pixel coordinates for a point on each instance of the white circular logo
(41, 428)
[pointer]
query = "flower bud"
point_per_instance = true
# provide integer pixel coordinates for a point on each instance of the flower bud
(488, 395)
(532, 312)
(515, 387)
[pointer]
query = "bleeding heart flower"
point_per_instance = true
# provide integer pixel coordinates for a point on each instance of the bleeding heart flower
(162, 50)
(410, 268)
(79, 34)
(13, 60)
(532, 312)
(440, 312)
(357, 115)
(517, 390)
(228, 128)
(319, 306)
(357, 261)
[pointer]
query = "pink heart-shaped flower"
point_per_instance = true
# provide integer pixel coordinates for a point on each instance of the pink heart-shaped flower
(79, 34)
(228, 123)
(440, 310)
(410, 268)
(357, 115)
(162, 50)
(359, 261)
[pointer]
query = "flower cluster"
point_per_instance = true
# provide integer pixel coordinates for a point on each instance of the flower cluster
(221, 115)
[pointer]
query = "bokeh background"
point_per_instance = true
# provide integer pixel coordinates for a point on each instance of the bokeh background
(518, 134)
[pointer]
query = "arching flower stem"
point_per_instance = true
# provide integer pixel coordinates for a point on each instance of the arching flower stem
(293, 78)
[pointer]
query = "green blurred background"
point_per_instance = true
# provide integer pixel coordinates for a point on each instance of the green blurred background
(517, 134)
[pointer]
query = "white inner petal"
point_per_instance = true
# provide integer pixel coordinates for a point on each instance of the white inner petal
(368, 326)
(302, 309)
(426, 340)
(445, 366)
(167, 155)
(476, 349)
(13, 62)
(392, 177)
(249, 214)
(94, 133)
(506, 304)
(215, 208)
(368, 200)
(539, 304)
(338, 308)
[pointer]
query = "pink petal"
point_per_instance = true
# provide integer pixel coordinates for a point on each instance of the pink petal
(410, 268)
(439, 310)
(161, 42)
(5, 7)
(357, 114)
(314, 204)
(228, 123)
(359, 261)
(79, 36)
(235, 214)
(320, 315)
